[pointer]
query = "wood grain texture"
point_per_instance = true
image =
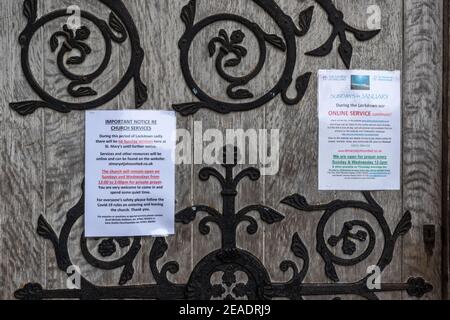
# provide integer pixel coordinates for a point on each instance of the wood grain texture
(22, 254)
(298, 156)
(207, 193)
(422, 145)
(180, 246)
(161, 29)
(64, 144)
(251, 124)
(446, 154)
(42, 155)
(371, 55)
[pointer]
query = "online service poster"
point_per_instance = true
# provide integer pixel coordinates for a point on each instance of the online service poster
(359, 130)
(130, 173)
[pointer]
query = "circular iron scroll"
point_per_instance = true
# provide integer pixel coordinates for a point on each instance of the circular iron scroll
(119, 28)
(231, 48)
(288, 45)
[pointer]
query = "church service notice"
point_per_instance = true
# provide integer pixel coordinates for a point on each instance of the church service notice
(359, 130)
(130, 173)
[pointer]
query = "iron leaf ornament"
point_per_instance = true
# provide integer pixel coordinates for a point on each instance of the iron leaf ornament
(228, 50)
(73, 43)
(230, 260)
(340, 28)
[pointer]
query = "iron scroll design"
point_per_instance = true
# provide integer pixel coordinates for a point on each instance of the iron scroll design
(229, 51)
(72, 41)
(230, 260)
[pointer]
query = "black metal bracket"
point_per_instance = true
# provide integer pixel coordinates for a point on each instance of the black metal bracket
(429, 238)
(118, 29)
(229, 52)
(229, 259)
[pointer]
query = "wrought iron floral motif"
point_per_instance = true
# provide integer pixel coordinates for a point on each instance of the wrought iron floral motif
(348, 237)
(232, 46)
(229, 260)
(106, 248)
(118, 29)
(348, 246)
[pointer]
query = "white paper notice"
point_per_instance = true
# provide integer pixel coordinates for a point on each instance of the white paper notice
(130, 173)
(359, 130)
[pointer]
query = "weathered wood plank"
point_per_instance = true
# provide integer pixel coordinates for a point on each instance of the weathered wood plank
(205, 73)
(146, 18)
(203, 67)
(298, 155)
(22, 254)
(163, 27)
(180, 246)
(64, 142)
(371, 55)
(422, 136)
(250, 124)
(365, 56)
(446, 144)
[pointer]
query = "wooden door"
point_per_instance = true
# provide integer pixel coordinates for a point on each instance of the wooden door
(42, 165)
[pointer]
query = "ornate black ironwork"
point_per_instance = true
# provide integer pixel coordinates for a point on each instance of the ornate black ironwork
(340, 28)
(118, 29)
(347, 237)
(229, 53)
(229, 259)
